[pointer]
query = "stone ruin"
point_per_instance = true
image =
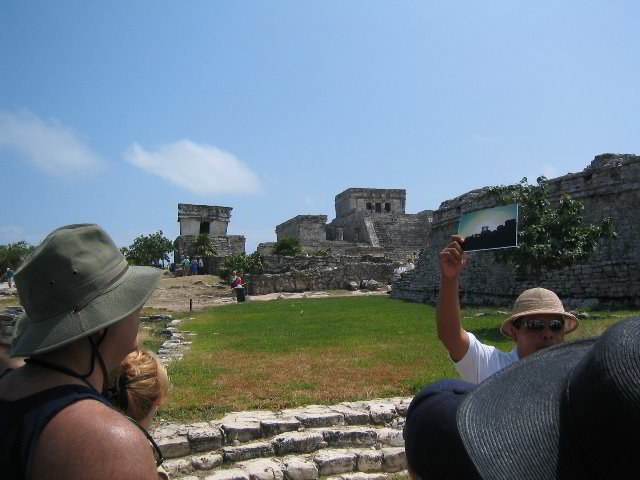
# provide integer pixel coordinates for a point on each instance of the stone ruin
(362, 247)
(369, 221)
(609, 186)
(210, 220)
(8, 317)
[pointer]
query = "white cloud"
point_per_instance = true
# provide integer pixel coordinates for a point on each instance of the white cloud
(50, 146)
(200, 168)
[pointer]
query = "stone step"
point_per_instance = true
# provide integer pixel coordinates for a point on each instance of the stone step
(335, 425)
(339, 464)
(208, 440)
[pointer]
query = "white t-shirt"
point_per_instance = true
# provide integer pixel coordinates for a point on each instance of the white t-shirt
(482, 361)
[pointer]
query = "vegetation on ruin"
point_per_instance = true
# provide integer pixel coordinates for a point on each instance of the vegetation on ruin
(285, 353)
(203, 246)
(12, 255)
(288, 246)
(240, 262)
(152, 249)
(550, 235)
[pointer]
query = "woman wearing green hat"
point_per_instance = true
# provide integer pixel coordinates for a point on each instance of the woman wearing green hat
(81, 302)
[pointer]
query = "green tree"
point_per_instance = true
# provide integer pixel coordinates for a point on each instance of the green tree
(13, 254)
(150, 249)
(288, 246)
(550, 236)
(203, 246)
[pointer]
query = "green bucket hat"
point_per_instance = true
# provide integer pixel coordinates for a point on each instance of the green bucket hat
(75, 283)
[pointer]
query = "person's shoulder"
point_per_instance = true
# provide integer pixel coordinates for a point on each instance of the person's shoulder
(91, 440)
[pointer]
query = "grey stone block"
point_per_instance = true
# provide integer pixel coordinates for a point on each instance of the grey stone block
(320, 419)
(390, 437)
(248, 451)
(368, 460)
(332, 462)
(241, 431)
(231, 474)
(275, 426)
(351, 415)
(296, 468)
(180, 466)
(263, 469)
(206, 462)
(394, 459)
(382, 413)
(296, 442)
(205, 438)
(350, 437)
(172, 447)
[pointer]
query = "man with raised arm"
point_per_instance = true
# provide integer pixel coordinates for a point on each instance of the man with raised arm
(81, 301)
(538, 321)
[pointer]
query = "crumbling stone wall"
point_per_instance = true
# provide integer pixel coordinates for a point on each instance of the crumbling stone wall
(302, 273)
(307, 228)
(609, 186)
(224, 244)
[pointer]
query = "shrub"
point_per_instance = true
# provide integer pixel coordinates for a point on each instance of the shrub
(288, 246)
(549, 236)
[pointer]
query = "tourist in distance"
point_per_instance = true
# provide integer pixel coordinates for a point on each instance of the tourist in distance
(538, 321)
(570, 411)
(82, 302)
(8, 275)
(186, 265)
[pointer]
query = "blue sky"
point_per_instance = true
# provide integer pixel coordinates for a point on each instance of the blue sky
(115, 112)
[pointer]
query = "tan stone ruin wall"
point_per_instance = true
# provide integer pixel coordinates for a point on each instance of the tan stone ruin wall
(301, 273)
(610, 186)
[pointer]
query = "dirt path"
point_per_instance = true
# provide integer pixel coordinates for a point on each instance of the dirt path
(173, 294)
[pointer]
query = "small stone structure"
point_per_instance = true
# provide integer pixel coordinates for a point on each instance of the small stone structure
(210, 220)
(307, 228)
(609, 186)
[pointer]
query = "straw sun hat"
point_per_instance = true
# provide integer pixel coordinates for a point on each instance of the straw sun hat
(75, 283)
(538, 301)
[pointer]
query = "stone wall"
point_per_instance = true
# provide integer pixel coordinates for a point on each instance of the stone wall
(609, 186)
(224, 244)
(333, 247)
(307, 228)
(302, 273)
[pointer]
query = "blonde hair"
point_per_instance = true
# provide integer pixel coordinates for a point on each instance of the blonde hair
(147, 383)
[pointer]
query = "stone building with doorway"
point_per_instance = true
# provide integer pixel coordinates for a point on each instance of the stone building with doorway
(210, 220)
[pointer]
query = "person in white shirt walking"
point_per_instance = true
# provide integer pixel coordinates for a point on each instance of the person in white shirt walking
(538, 321)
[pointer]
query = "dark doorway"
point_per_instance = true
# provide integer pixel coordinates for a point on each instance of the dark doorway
(387, 207)
(378, 207)
(204, 227)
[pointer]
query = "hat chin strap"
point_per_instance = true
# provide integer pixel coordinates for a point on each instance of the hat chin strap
(67, 371)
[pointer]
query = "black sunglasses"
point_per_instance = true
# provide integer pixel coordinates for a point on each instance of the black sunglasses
(537, 325)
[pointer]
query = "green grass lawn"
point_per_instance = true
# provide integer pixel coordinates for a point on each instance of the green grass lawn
(283, 353)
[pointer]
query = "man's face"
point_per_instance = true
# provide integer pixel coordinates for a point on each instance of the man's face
(530, 338)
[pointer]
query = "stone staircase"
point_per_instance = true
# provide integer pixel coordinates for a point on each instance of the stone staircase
(348, 441)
